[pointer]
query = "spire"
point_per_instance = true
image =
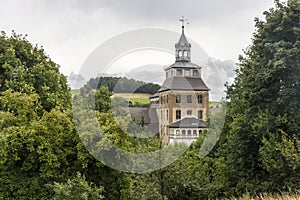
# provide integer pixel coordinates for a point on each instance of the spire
(183, 47)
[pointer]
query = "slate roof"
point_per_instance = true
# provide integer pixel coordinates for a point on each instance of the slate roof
(183, 42)
(150, 117)
(188, 122)
(183, 64)
(154, 96)
(137, 113)
(184, 83)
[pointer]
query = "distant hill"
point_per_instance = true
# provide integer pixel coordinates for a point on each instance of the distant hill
(123, 85)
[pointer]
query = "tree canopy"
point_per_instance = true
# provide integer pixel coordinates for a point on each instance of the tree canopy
(122, 85)
(261, 137)
(42, 155)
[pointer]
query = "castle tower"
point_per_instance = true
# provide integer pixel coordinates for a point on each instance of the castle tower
(182, 102)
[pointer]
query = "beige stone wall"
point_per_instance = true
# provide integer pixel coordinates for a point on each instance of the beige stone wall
(168, 106)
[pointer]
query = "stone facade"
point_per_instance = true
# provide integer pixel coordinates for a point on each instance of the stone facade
(182, 103)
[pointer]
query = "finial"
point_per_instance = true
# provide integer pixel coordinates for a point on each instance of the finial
(182, 19)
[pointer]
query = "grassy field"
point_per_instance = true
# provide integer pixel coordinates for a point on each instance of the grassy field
(141, 98)
(144, 98)
(132, 96)
(284, 196)
(75, 92)
(215, 104)
(135, 98)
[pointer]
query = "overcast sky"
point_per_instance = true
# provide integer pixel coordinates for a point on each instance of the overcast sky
(70, 30)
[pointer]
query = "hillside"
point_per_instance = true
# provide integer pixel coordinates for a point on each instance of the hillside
(123, 85)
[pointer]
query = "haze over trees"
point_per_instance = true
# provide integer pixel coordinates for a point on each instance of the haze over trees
(42, 156)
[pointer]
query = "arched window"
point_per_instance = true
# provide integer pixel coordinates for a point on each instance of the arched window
(183, 132)
(179, 53)
(189, 132)
(195, 132)
(185, 53)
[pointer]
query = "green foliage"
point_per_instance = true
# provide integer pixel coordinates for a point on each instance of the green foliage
(122, 85)
(27, 69)
(260, 140)
(41, 151)
(103, 99)
(99, 130)
(36, 151)
(36, 132)
(77, 189)
(139, 102)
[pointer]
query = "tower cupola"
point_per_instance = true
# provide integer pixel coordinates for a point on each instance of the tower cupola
(183, 47)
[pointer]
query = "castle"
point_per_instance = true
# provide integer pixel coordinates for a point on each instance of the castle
(182, 102)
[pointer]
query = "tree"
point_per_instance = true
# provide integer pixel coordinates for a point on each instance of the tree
(77, 189)
(103, 99)
(263, 117)
(37, 136)
(26, 68)
(33, 151)
(122, 84)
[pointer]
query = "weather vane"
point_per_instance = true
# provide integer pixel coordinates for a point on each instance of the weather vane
(183, 20)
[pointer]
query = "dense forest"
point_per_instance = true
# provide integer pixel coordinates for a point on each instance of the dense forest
(43, 156)
(122, 85)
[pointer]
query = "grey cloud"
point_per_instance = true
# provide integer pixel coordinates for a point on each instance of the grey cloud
(197, 10)
(157, 10)
(148, 73)
(216, 74)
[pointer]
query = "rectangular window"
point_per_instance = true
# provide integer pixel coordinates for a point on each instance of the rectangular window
(167, 115)
(178, 99)
(189, 112)
(178, 114)
(189, 98)
(200, 99)
(200, 114)
(187, 72)
(179, 72)
(195, 72)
